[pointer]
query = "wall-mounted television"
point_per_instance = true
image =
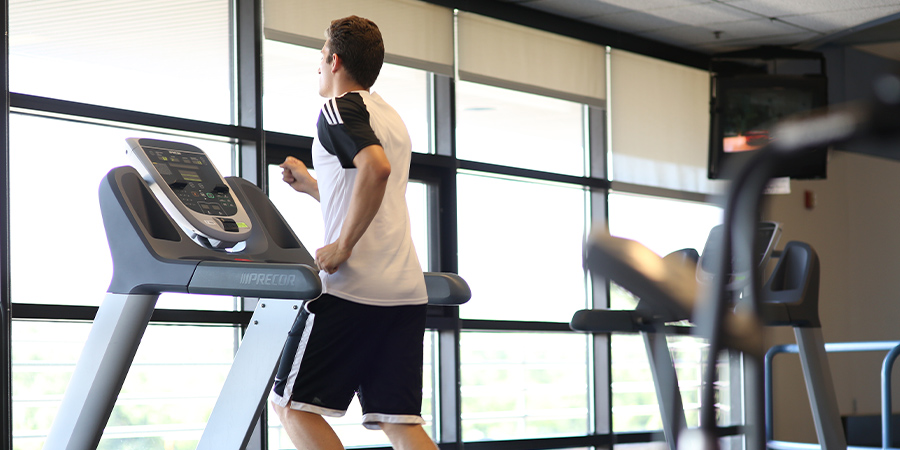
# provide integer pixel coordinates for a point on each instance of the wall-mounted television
(744, 111)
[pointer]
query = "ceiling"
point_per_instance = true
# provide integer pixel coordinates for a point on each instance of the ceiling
(714, 26)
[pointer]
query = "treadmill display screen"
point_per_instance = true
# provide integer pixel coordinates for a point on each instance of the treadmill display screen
(189, 175)
(194, 180)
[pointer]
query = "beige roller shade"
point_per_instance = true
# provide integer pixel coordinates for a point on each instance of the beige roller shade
(659, 114)
(509, 55)
(416, 34)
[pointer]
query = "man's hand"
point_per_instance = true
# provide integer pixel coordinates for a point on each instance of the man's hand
(330, 257)
(297, 176)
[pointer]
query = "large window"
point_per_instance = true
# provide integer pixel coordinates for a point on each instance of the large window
(520, 249)
(507, 187)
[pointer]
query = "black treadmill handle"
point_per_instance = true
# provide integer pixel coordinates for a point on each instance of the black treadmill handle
(607, 321)
(447, 289)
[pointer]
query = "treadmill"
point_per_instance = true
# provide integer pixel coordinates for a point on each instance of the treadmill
(174, 224)
(665, 304)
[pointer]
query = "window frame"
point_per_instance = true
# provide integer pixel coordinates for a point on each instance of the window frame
(257, 148)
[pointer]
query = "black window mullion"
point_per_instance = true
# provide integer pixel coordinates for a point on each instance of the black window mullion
(600, 344)
(32, 104)
(443, 242)
(5, 268)
(247, 107)
(247, 51)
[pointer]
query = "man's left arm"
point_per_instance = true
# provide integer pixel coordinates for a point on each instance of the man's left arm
(373, 170)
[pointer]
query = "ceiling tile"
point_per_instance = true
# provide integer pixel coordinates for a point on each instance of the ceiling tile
(633, 22)
(575, 9)
(705, 13)
(834, 21)
(648, 5)
(782, 8)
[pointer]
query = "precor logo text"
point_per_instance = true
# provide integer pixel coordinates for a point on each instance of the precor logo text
(267, 279)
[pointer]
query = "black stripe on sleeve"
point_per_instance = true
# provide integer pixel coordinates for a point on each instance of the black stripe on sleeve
(344, 128)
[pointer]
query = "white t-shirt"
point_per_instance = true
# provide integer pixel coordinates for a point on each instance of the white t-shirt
(383, 268)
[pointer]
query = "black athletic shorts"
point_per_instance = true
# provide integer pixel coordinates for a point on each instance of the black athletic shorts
(338, 348)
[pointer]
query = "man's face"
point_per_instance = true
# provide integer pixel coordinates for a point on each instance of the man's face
(326, 78)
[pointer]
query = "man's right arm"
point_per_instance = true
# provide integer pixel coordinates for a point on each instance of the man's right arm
(297, 176)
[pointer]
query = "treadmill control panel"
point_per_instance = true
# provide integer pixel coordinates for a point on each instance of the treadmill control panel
(193, 192)
(194, 181)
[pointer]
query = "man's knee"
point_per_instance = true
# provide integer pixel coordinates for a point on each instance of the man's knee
(280, 411)
(284, 413)
(404, 431)
(408, 436)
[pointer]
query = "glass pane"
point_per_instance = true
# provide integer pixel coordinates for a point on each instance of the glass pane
(406, 89)
(167, 396)
(501, 126)
(663, 225)
(520, 248)
(349, 428)
(304, 215)
(291, 102)
(56, 226)
(417, 202)
(524, 385)
(160, 56)
(635, 406)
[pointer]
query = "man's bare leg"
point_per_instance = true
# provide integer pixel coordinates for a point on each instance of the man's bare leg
(308, 431)
(408, 437)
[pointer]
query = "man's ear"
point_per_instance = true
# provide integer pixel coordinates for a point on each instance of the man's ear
(336, 62)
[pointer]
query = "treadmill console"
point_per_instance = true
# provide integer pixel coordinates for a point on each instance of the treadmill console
(767, 236)
(192, 191)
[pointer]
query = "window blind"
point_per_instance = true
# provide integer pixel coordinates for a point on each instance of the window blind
(509, 55)
(416, 34)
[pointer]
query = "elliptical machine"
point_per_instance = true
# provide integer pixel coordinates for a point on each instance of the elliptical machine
(724, 323)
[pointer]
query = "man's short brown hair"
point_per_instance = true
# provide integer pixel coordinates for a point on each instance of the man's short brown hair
(359, 44)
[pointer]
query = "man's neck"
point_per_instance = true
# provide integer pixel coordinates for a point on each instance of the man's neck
(343, 86)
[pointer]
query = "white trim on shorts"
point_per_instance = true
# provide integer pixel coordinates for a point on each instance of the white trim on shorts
(295, 365)
(373, 421)
(300, 406)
